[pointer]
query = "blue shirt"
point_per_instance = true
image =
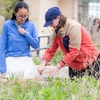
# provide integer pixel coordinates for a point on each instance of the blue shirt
(91, 28)
(14, 44)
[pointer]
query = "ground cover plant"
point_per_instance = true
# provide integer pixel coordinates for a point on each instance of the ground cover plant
(85, 88)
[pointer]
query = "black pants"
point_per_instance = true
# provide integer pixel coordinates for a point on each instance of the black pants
(92, 70)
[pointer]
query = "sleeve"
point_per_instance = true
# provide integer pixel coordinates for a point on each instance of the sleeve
(3, 46)
(74, 45)
(50, 51)
(32, 38)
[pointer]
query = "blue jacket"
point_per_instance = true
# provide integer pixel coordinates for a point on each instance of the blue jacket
(91, 28)
(14, 44)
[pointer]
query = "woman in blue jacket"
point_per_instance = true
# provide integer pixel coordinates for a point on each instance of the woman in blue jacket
(18, 34)
(95, 27)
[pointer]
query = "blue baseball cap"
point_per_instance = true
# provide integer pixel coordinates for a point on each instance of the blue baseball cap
(50, 15)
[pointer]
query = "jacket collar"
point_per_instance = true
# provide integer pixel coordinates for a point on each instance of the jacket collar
(24, 25)
(62, 31)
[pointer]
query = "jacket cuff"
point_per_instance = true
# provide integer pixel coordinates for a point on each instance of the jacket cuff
(44, 59)
(62, 63)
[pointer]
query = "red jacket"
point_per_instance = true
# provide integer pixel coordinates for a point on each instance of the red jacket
(82, 51)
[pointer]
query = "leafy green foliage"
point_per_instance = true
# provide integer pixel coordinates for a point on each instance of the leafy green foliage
(57, 57)
(7, 8)
(36, 60)
(98, 46)
(86, 88)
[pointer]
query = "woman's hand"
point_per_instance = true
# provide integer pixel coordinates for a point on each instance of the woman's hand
(21, 30)
(54, 70)
(41, 67)
(2, 76)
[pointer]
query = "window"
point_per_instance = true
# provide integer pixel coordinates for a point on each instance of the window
(94, 9)
(87, 11)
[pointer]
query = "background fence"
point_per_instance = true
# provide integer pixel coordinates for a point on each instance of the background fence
(44, 46)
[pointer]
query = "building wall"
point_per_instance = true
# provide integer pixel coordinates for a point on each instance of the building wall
(34, 11)
(66, 7)
(75, 10)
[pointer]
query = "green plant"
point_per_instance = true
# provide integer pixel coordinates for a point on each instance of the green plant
(36, 60)
(7, 8)
(86, 88)
(98, 46)
(57, 57)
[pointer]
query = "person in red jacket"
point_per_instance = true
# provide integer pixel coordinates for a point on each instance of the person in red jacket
(81, 54)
